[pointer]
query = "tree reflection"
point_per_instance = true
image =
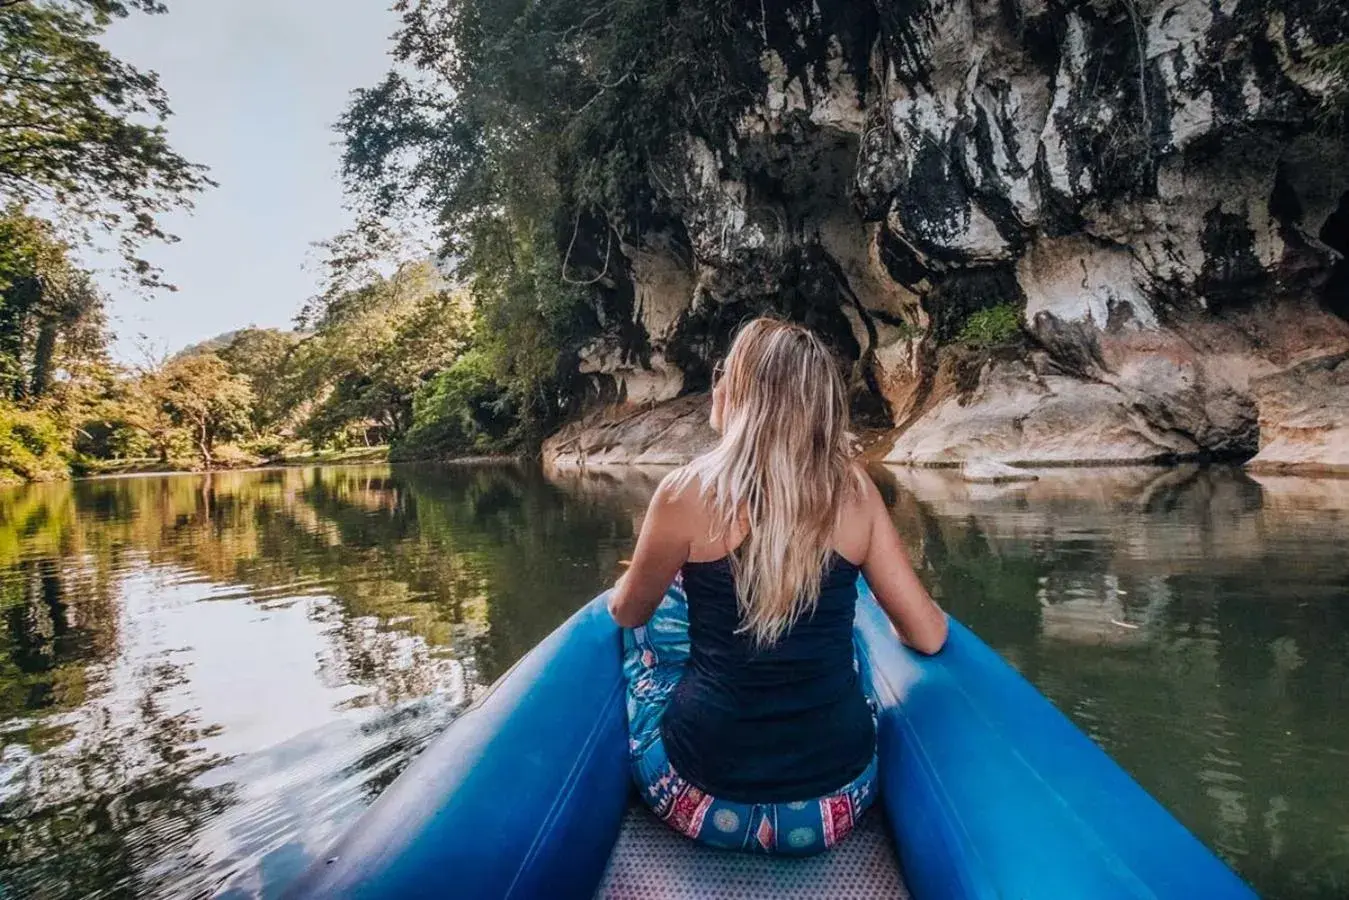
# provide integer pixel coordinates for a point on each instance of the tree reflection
(425, 584)
(1192, 622)
(100, 770)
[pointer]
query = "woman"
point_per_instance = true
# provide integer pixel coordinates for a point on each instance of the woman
(749, 729)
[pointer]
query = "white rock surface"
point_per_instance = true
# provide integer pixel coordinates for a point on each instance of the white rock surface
(1149, 191)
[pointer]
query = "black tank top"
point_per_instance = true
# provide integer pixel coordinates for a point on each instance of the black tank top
(769, 725)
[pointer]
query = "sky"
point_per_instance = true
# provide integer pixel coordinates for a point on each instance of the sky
(255, 86)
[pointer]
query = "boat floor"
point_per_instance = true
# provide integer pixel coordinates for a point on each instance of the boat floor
(652, 862)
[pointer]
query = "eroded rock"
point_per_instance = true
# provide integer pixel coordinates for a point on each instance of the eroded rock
(1145, 185)
(1017, 415)
(1304, 417)
(655, 434)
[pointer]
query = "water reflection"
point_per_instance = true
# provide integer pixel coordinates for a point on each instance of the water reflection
(1195, 623)
(204, 679)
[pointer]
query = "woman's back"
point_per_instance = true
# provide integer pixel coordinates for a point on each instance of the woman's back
(767, 724)
(744, 702)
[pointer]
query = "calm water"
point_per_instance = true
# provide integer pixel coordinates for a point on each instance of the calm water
(203, 680)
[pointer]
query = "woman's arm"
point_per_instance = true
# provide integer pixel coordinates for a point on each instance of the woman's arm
(662, 547)
(920, 622)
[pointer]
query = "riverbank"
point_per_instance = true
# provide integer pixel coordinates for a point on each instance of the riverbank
(362, 456)
(675, 431)
(233, 463)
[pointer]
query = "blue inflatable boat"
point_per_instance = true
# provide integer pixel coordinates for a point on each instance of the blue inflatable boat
(987, 792)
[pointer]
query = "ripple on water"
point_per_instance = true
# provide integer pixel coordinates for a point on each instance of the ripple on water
(206, 680)
(203, 683)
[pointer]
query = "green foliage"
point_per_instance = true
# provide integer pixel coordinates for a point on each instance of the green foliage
(463, 410)
(267, 447)
(991, 327)
(371, 350)
(81, 130)
(53, 365)
(529, 326)
(532, 104)
(374, 342)
(80, 135)
(537, 135)
(32, 446)
(263, 356)
(199, 395)
(115, 437)
(51, 315)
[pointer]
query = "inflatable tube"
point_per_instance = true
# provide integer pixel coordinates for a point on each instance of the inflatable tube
(989, 791)
(521, 796)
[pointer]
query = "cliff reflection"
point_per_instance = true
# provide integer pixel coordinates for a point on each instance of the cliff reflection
(1194, 622)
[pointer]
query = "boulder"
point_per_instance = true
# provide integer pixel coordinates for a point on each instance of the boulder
(1304, 417)
(655, 434)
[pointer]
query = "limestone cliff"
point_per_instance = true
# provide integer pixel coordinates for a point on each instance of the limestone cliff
(1148, 187)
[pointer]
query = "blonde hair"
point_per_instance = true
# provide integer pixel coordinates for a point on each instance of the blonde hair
(783, 468)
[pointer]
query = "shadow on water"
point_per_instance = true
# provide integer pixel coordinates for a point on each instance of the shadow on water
(205, 679)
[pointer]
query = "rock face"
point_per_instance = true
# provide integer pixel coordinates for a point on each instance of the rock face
(1304, 417)
(666, 434)
(1140, 186)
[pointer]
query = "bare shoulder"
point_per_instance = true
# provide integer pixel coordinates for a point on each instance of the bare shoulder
(864, 498)
(678, 504)
(680, 487)
(853, 539)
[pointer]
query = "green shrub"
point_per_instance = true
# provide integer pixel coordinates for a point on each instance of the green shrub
(463, 410)
(32, 446)
(990, 327)
(266, 446)
(233, 456)
(111, 438)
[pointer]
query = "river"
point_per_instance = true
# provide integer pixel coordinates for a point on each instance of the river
(205, 679)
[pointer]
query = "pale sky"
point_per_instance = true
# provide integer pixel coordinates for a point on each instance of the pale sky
(255, 87)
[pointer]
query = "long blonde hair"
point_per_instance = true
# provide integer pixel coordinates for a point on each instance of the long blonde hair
(783, 468)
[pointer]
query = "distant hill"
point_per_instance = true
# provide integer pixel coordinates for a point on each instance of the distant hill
(221, 341)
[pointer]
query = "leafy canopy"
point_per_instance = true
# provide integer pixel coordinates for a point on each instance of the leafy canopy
(536, 134)
(52, 323)
(200, 394)
(263, 356)
(373, 347)
(81, 131)
(463, 409)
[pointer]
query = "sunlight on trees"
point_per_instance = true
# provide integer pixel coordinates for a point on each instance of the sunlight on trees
(73, 126)
(202, 396)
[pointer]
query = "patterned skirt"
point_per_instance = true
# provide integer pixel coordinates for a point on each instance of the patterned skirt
(654, 657)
